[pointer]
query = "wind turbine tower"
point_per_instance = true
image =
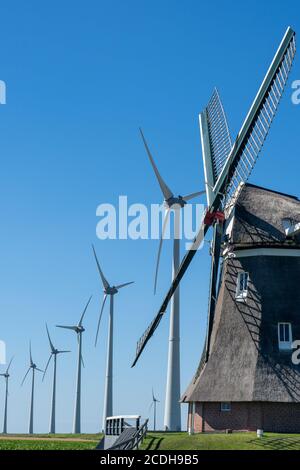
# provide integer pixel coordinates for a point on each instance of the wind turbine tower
(54, 353)
(153, 404)
(33, 367)
(79, 329)
(6, 376)
(172, 418)
(110, 291)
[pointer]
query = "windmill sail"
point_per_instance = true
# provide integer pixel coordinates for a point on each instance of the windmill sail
(254, 131)
(216, 142)
(240, 161)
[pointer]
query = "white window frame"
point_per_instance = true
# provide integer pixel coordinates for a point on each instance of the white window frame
(225, 406)
(241, 294)
(285, 345)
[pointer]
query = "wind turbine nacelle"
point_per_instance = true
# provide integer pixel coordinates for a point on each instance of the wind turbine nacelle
(80, 329)
(175, 201)
(111, 290)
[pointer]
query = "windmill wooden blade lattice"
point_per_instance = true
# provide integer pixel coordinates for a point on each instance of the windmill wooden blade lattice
(225, 175)
(254, 131)
(216, 142)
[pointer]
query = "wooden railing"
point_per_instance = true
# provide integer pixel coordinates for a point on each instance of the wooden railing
(134, 441)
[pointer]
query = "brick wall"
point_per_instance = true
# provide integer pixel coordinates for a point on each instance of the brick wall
(282, 418)
(272, 417)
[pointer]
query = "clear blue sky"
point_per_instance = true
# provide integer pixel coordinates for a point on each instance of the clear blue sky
(81, 78)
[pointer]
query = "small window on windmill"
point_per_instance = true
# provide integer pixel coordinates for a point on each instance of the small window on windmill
(291, 227)
(285, 336)
(242, 286)
(226, 406)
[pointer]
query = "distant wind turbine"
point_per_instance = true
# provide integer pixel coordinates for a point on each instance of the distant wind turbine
(108, 390)
(54, 353)
(6, 376)
(79, 329)
(153, 404)
(32, 367)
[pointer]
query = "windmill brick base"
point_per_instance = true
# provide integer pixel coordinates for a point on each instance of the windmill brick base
(271, 417)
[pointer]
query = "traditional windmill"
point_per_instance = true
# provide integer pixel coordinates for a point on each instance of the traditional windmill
(241, 214)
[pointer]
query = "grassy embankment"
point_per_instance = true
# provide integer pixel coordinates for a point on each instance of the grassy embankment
(158, 441)
(236, 441)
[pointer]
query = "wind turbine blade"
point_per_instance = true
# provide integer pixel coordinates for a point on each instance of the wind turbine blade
(82, 361)
(67, 327)
(163, 186)
(104, 280)
(9, 365)
(40, 370)
(25, 376)
(47, 366)
(153, 398)
(160, 247)
(85, 309)
(100, 316)
(50, 342)
(59, 352)
(193, 195)
(124, 285)
(150, 406)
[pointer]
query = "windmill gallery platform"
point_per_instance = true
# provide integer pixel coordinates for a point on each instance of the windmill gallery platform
(246, 379)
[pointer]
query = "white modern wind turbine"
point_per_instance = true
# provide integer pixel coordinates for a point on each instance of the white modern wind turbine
(172, 419)
(54, 353)
(108, 390)
(32, 367)
(79, 329)
(153, 404)
(6, 376)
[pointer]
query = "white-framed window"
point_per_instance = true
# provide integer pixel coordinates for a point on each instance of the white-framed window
(285, 336)
(242, 285)
(226, 406)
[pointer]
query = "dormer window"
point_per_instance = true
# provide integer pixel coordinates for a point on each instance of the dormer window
(291, 227)
(285, 336)
(242, 286)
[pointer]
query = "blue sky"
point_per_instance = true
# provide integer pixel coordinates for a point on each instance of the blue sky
(81, 78)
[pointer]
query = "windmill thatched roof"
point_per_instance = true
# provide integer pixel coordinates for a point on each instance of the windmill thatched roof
(259, 215)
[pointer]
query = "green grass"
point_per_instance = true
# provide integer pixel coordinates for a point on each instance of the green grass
(93, 437)
(44, 445)
(44, 442)
(235, 441)
(160, 441)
